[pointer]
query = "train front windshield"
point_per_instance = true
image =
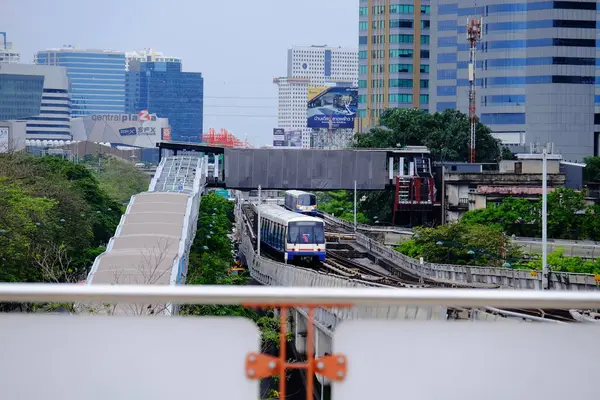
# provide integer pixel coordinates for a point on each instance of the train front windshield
(306, 233)
(307, 200)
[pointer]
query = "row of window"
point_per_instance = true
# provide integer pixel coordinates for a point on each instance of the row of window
(506, 63)
(394, 68)
(502, 118)
(485, 11)
(503, 100)
(394, 23)
(394, 9)
(394, 53)
(393, 83)
(377, 113)
(397, 38)
(516, 81)
(522, 44)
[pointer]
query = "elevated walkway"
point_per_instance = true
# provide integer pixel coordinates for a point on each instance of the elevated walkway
(152, 241)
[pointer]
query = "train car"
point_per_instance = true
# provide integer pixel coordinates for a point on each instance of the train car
(301, 202)
(301, 237)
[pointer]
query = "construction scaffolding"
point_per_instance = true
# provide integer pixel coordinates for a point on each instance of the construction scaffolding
(223, 139)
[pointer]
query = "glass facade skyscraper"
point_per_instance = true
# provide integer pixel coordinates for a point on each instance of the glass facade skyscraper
(97, 78)
(394, 38)
(536, 70)
(163, 89)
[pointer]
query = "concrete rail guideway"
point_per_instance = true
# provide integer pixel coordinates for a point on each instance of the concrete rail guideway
(152, 241)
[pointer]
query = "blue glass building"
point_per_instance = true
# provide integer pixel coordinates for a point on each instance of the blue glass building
(163, 89)
(536, 70)
(97, 78)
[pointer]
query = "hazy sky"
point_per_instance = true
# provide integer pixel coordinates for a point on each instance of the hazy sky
(238, 45)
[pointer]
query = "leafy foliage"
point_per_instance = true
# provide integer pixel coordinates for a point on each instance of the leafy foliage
(568, 216)
(446, 134)
(557, 261)
(341, 204)
(591, 171)
(210, 259)
(463, 244)
(53, 213)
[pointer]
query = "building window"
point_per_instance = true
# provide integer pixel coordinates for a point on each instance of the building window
(377, 10)
(424, 84)
(424, 68)
(425, 9)
(404, 53)
(363, 25)
(401, 9)
(401, 23)
(363, 11)
(401, 68)
(401, 38)
(401, 83)
(362, 55)
(446, 90)
(574, 42)
(362, 113)
(362, 69)
(362, 84)
(575, 5)
(400, 98)
(445, 105)
(425, 24)
(362, 40)
(424, 99)
(503, 119)
(424, 39)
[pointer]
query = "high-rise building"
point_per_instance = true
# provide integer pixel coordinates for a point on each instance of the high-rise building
(39, 95)
(148, 55)
(535, 70)
(7, 53)
(163, 89)
(311, 66)
(393, 57)
(97, 78)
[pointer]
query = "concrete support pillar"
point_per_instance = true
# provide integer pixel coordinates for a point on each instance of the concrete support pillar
(299, 332)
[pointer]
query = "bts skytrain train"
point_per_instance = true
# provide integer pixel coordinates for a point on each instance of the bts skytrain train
(301, 202)
(283, 231)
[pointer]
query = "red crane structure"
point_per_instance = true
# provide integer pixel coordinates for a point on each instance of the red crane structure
(223, 139)
(474, 36)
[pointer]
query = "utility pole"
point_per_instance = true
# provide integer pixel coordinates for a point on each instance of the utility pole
(354, 206)
(474, 36)
(258, 221)
(545, 219)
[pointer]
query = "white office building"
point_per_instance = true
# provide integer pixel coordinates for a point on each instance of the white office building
(311, 66)
(7, 53)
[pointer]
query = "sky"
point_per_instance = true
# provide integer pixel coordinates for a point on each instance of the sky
(238, 45)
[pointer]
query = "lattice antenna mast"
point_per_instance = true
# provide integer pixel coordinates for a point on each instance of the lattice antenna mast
(473, 36)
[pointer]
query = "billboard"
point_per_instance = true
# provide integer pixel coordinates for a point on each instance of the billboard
(333, 107)
(4, 139)
(278, 137)
(138, 130)
(293, 138)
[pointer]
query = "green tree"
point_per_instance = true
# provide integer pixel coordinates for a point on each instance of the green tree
(341, 204)
(515, 216)
(119, 179)
(461, 243)
(446, 134)
(591, 172)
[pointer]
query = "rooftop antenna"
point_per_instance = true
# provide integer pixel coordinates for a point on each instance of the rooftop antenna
(473, 36)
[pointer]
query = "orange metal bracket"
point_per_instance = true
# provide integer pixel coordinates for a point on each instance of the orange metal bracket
(333, 367)
(260, 366)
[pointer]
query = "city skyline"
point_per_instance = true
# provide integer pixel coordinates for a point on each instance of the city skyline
(238, 68)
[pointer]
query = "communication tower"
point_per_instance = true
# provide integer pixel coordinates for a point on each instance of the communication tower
(473, 36)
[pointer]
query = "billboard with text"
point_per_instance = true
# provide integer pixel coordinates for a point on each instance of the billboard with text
(333, 107)
(278, 137)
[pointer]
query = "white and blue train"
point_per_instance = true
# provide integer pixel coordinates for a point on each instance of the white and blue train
(301, 237)
(301, 202)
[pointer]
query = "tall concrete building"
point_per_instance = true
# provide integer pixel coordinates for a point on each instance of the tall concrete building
(7, 53)
(39, 95)
(536, 70)
(394, 54)
(311, 66)
(148, 55)
(97, 78)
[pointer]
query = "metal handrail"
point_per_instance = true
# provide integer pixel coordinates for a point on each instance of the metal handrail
(14, 292)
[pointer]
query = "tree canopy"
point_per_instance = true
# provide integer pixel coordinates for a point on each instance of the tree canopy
(460, 243)
(591, 171)
(341, 204)
(446, 134)
(53, 211)
(568, 216)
